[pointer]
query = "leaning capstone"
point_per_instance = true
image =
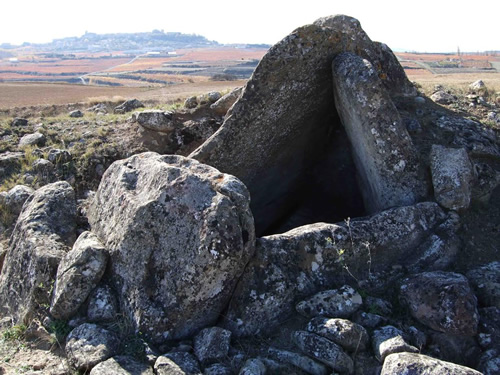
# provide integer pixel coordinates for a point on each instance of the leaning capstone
(385, 157)
(78, 273)
(103, 305)
(388, 340)
(212, 345)
(35, 139)
(323, 350)
(351, 336)
(44, 231)
(452, 176)
(88, 344)
(179, 234)
(156, 120)
(303, 362)
(419, 364)
(253, 366)
(443, 301)
(177, 363)
(335, 303)
(122, 365)
(485, 281)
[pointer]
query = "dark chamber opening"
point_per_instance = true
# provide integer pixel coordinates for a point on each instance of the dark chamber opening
(328, 189)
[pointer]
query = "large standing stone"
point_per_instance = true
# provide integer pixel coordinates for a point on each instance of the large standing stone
(301, 262)
(443, 301)
(418, 364)
(179, 234)
(285, 120)
(44, 231)
(384, 155)
(452, 177)
(78, 273)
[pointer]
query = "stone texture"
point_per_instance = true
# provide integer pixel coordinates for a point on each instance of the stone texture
(45, 229)
(489, 328)
(490, 363)
(388, 340)
(88, 344)
(156, 120)
(179, 234)
(35, 139)
(452, 177)
(213, 96)
(222, 105)
(122, 365)
(324, 351)
(418, 364)
(253, 366)
(305, 363)
(350, 336)
(78, 273)
(191, 102)
(58, 156)
(384, 155)
(485, 281)
(212, 345)
(19, 122)
(128, 105)
(335, 303)
(177, 363)
(291, 266)
(76, 113)
(103, 305)
(217, 369)
(14, 199)
(442, 301)
(442, 97)
(285, 120)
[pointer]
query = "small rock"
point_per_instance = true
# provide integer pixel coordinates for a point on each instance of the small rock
(212, 345)
(303, 362)
(122, 365)
(253, 366)
(490, 363)
(128, 106)
(213, 96)
(177, 363)
(419, 100)
(485, 281)
(37, 139)
(452, 177)
(351, 336)
(378, 306)
(442, 301)
(103, 305)
(217, 369)
(368, 320)
(366, 364)
(14, 199)
(388, 340)
(323, 350)
(78, 273)
(489, 327)
(411, 363)
(57, 156)
(156, 120)
(191, 102)
(462, 350)
(477, 85)
(76, 113)
(19, 122)
(442, 97)
(335, 303)
(222, 105)
(88, 344)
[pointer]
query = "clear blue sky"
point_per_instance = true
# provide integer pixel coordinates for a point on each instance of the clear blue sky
(423, 25)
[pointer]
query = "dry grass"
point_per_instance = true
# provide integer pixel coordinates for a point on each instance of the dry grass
(459, 82)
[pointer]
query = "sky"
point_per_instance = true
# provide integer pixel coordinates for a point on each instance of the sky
(419, 25)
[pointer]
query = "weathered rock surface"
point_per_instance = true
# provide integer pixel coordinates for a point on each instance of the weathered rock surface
(323, 350)
(285, 119)
(88, 344)
(213, 96)
(485, 281)
(44, 231)
(442, 97)
(489, 327)
(490, 362)
(122, 365)
(191, 102)
(419, 364)
(442, 301)
(103, 305)
(217, 369)
(452, 177)
(384, 155)
(76, 113)
(388, 340)
(58, 156)
(212, 345)
(335, 303)
(253, 366)
(303, 362)
(179, 234)
(350, 336)
(299, 263)
(222, 105)
(156, 120)
(14, 199)
(477, 85)
(177, 363)
(19, 122)
(128, 105)
(78, 273)
(37, 139)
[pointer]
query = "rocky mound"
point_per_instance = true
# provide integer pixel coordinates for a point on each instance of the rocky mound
(362, 194)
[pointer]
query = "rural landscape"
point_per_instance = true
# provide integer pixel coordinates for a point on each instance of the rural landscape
(171, 205)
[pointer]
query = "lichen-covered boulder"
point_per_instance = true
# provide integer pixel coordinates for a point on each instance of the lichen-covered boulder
(419, 364)
(14, 199)
(350, 336)
(156, 120)
(44, 232)
(179, 234)
(103, 304)
(334, 303)
(78, 273)
(443, 301)
(384, 155)
(388, 340)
